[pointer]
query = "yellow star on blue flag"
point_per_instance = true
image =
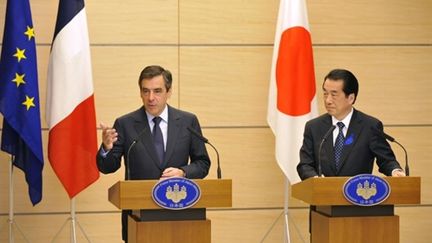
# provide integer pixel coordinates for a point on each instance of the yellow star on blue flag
(19, 99)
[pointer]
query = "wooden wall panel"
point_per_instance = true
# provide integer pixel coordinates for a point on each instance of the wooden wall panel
(247, 226)
(2, 17)
(417, 142)
(112, 22)
(233, 93)
(133, 21)
(254, 225)
(247, 157)
(230, 89)
(233, 22)
(378, 22)
(236, 22)
(43, 15)
(395, 82)
(116, 71)
(99, 227)
(241, 22)
(414, 224)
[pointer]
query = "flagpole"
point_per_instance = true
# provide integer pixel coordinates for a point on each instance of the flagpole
(11, 220)
(286, 228)
(75, 222)
(72, 218)
(11, 201)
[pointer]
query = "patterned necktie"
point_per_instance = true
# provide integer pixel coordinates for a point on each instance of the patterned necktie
(338, 147)
(158, 138)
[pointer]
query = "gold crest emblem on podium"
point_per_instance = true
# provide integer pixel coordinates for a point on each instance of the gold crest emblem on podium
(176, 194)
(366, 190)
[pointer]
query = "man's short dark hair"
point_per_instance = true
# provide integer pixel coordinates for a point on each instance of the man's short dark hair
(350, 83)
(152, 71)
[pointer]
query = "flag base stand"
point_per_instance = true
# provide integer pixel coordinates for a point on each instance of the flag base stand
(73, 223)
(286, 216)
(271, 228)
(13, 226)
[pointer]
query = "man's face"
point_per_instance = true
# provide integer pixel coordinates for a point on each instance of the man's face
(336, 102)
(154, 95)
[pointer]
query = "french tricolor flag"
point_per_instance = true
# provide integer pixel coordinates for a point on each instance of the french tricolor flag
(70, 111)
(292, 92)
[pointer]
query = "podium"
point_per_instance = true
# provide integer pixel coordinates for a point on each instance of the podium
(336, 220)
(151, 223)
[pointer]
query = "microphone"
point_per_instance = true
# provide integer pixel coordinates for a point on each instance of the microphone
(333, 127)
(393, 140)
(205, 140)
(127, 154)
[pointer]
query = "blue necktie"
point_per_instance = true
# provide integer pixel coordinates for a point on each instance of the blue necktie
(338, 147)
(158, 138)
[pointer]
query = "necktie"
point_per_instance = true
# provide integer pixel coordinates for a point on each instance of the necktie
(340, 139)
(158, 138)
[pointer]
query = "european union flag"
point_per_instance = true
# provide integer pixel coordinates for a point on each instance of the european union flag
(19, 96)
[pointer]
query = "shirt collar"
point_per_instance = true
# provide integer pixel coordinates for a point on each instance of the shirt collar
(163, 115)
(346, 121)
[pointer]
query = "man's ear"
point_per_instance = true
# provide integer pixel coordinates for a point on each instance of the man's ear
(351, 98)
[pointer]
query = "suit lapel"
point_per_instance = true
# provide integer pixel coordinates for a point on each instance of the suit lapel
(328, 153)
(141, 125)
(353, 133)
(174, 125)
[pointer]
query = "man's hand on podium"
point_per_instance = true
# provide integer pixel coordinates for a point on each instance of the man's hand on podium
(172, 172)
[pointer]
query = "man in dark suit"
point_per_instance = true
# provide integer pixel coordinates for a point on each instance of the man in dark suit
(174, 152)
(361, 135)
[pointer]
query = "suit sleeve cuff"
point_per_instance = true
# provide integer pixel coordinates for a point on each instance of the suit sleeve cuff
(103, 153)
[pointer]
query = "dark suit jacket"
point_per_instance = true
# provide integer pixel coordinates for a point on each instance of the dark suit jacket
(363, 144)
(141, 160)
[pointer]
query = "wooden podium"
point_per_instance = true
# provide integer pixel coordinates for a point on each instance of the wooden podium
(336, 220)
(151, 223)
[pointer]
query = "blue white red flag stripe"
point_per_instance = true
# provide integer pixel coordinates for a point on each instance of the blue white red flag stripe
(71, 115)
